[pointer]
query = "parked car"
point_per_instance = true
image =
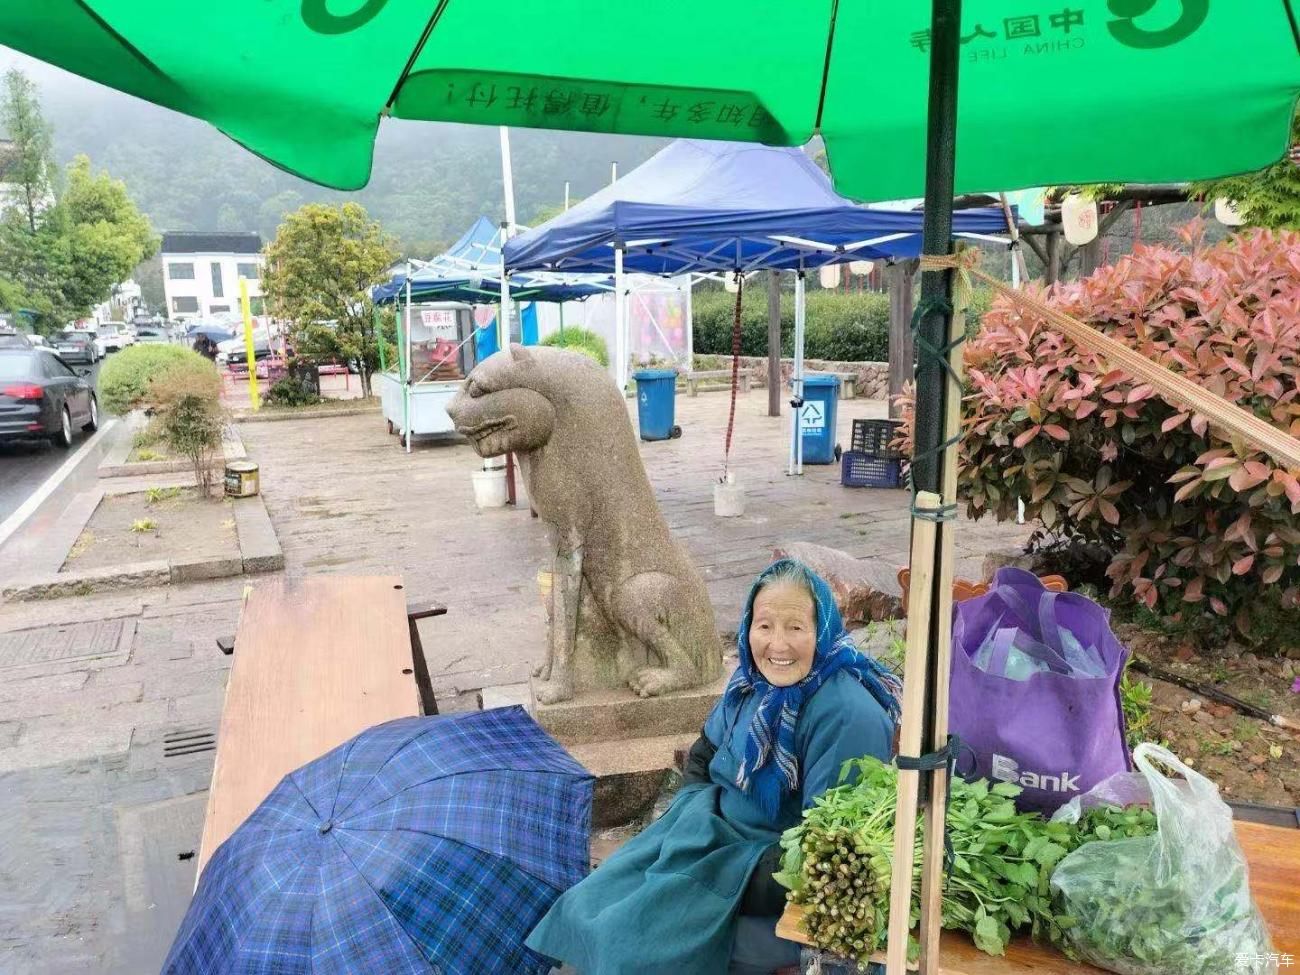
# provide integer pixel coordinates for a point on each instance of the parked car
(112, 337)
(9, 339)
(151, 333)
(41, 396)
(75, 346)
(234, 350)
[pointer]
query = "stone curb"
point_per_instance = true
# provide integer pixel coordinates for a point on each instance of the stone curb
(129, 575)
(304, 415)
(259, 551)
(259, 546)
(114, 463)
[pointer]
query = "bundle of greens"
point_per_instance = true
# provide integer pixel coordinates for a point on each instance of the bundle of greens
(838, 862)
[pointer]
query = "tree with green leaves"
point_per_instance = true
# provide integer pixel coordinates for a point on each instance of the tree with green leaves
(27, 162)
(106, 235)
(318, 274)
(1267, 198)
(86, 242)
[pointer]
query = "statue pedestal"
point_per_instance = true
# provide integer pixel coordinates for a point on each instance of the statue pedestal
(629, 743)
(617, 714)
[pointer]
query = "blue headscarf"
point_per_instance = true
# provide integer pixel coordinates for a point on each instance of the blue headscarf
(770, 768)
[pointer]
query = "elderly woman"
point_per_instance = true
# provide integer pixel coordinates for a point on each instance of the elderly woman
(694, 892)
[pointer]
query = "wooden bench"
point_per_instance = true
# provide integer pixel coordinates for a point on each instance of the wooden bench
(316, 661)
(693, 379)
(1273, 859)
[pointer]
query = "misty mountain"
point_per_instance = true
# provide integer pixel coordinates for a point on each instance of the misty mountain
(430, 180)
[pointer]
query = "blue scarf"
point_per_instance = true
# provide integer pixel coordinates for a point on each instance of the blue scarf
(770, 768)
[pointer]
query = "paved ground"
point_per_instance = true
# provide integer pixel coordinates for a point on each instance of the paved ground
(96, 883)
(24, 466)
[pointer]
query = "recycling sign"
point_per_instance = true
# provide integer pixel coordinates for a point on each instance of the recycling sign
(813, 415)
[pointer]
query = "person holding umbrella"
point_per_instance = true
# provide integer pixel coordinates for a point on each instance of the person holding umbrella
(694, 892)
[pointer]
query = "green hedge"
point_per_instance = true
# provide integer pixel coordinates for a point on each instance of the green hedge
(840, 327)
(580, 340)
(124, 378)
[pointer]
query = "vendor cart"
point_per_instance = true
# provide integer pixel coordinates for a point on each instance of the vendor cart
(433, 362)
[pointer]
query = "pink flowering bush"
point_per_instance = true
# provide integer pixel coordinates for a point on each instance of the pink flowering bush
(1192, 519)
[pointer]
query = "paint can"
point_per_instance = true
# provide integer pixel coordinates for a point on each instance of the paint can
(242, 480)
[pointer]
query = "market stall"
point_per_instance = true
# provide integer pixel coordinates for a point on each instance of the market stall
(435, 355)
(1196, 91)
(439, 337)
(710, 208)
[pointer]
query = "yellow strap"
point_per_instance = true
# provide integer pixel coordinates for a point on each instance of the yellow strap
(1178, 390)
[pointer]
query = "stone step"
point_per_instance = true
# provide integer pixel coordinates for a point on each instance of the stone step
(629, 774)
(610, 715)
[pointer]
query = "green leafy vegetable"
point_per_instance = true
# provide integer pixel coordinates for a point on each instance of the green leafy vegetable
(838, 862)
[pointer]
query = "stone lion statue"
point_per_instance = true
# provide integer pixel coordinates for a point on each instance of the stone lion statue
(627, 604)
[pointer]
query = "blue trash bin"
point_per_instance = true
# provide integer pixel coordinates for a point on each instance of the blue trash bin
(820, 397)
(656, 403)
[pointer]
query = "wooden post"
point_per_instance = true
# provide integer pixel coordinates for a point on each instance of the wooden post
(937, 811)
(1090, 257)
(910, 732)
(773, 343)
(1053, 271)
(901, 276)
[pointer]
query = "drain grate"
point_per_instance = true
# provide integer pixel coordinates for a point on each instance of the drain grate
(188, 741)
(70, 641)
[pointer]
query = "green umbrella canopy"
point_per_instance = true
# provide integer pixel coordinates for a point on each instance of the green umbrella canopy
(1051, 91)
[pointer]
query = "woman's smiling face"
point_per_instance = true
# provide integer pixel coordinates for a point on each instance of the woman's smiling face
(783, 633)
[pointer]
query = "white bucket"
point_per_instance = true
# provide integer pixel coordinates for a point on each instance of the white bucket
(728, 500)
(490, 488)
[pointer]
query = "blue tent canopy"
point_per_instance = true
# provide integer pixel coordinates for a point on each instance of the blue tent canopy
(470, 271)
(718, 206)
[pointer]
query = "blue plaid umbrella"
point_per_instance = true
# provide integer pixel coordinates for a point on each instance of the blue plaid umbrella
(422, 845)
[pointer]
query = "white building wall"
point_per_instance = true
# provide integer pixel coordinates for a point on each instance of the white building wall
(207, 304)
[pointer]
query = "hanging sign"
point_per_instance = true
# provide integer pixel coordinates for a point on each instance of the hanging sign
(1079, 219)
(440, 321)
(861, 267)
(829, 276)
(1228, 213)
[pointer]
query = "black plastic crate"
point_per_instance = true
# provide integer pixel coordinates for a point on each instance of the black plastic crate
(858, 469)
(873, 438)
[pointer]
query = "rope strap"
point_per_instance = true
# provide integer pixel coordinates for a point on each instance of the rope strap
(946, 759)
(1178, 390)
(735, 375)
(942, 356)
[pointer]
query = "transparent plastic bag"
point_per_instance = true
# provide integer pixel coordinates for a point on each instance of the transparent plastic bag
(1176, 902)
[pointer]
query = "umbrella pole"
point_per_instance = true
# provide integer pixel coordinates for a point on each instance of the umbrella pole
(620, 312)
(934, 472)
(503, 331)
(406, 379)
(796, 380)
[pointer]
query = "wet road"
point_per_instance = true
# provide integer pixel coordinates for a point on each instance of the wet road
(24, 466)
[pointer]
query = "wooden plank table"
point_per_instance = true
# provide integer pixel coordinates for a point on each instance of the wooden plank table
(316, 662)
(1272, 854)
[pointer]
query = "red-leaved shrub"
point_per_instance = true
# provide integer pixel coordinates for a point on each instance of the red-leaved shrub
(1190, 516)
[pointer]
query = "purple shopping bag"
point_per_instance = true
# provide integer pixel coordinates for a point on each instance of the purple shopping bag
(1056, 727)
